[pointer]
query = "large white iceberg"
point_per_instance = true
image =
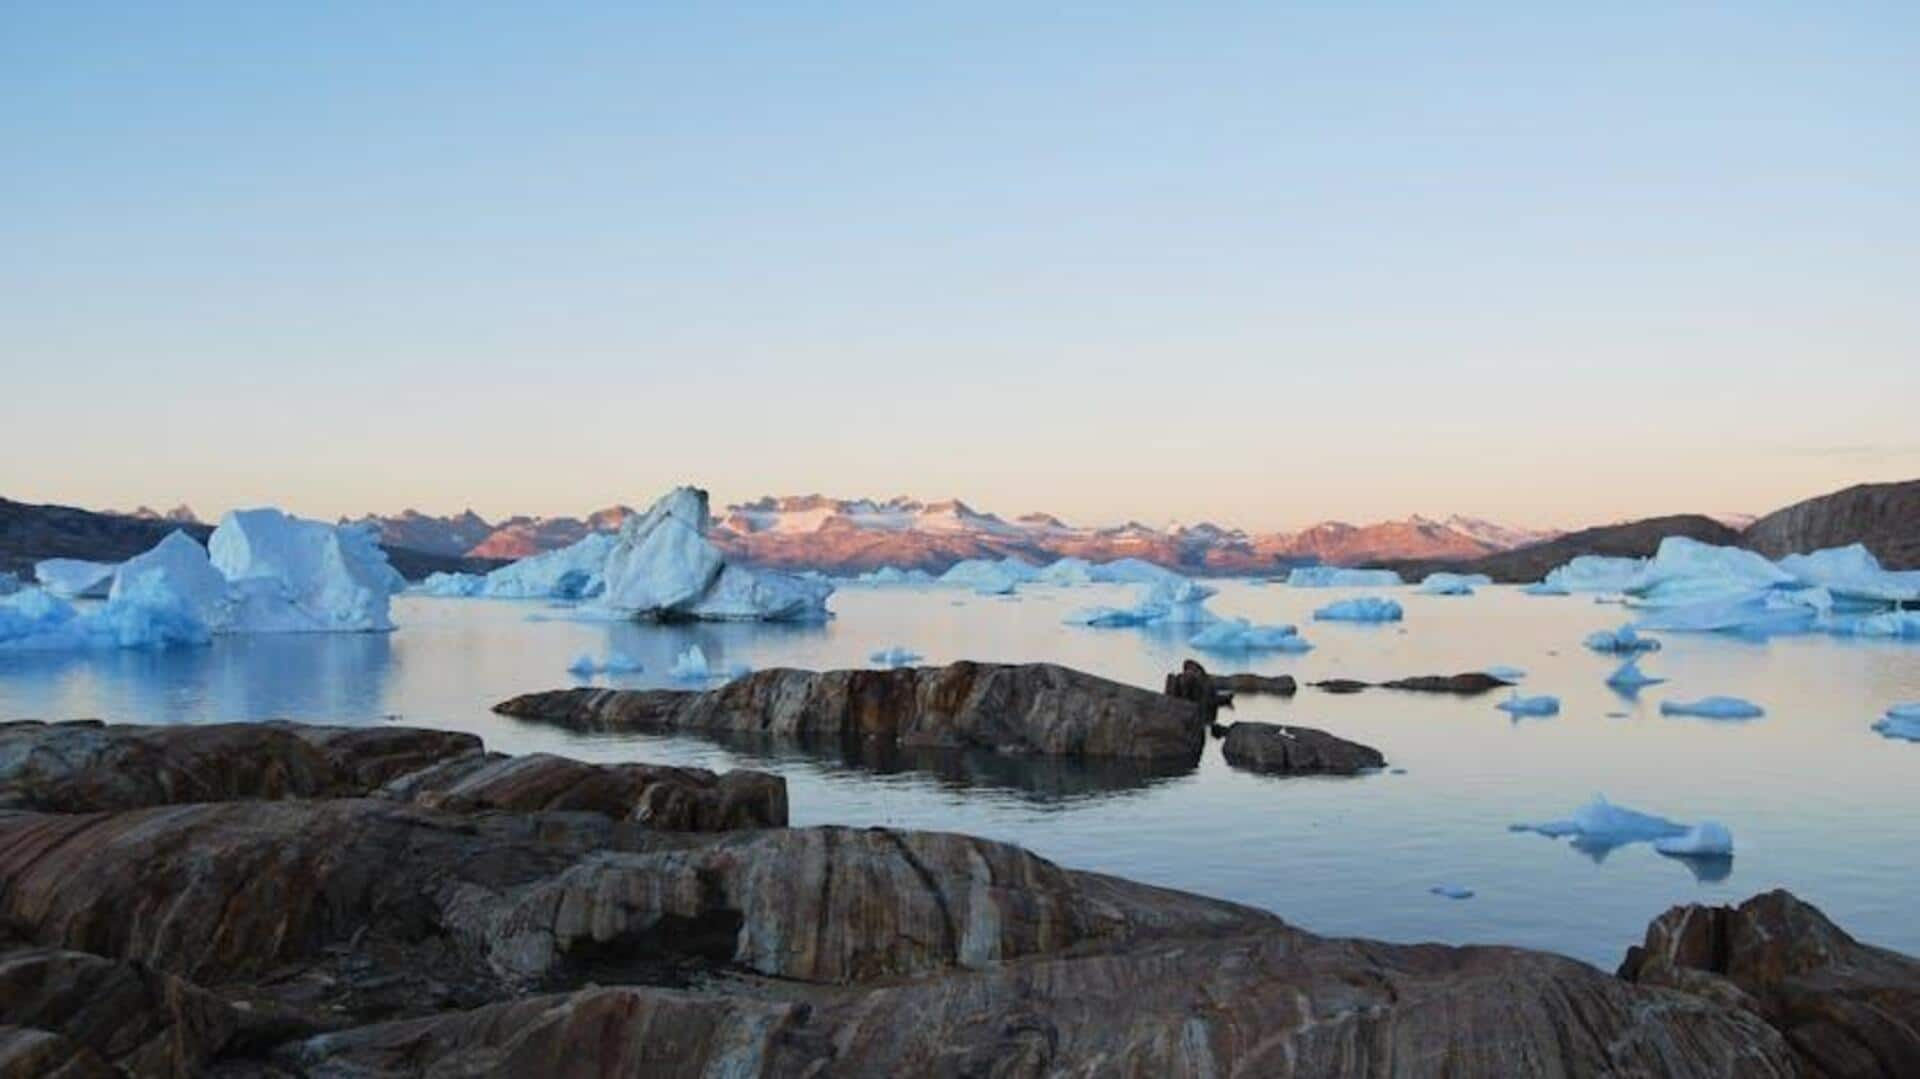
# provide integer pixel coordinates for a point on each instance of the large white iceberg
(1453, 584)
(293, 576)
(571, 572)
(1240, 635)
(663, 567)
(1853, 576)
(1360, 609)
(1341, 577)
(75, 578)
(176, 577)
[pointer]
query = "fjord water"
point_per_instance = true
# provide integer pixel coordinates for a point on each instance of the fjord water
(1817, 802)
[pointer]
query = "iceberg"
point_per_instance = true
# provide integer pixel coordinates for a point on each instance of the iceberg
(1066, 571)
(453, 585)
(1517, 706)
(1544, 588)
(1686, 570)
(1708, 839)
(1600, 825)
(291, 575)
(614, 663)
(1360, 609)
(1239, 635)
(1595, 573)
(1339, 577)
(176, 577)
(894, 575)
(575, 571)
(1753, 614)
(583, 665)
(1893, 625)
(1624, 641)
(895, 657)
(9, 583)
(990, 577)
(1453, 584)
(74, 578)
(33, 619)
(1713, 708)
(1173, 602)
(1629, 678)
(1131, 571)
(690, 666)
(1852, 573)
(1901, 721)
(663, 567)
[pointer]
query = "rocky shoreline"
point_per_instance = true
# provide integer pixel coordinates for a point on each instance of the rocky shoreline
(287, 900)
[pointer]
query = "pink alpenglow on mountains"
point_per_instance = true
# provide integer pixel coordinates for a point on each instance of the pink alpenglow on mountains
(849, 536)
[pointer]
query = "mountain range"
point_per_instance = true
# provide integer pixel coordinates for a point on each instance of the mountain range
(838, 535)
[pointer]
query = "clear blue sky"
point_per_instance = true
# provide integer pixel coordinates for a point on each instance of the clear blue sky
(1257, 263)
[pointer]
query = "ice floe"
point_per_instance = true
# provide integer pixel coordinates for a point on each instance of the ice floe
(613, 663)
(1453, 584)
(1708, 839)
(1629, 678)
(1240, 635)
(73, 578)
(896, 656)
(1451, 891)
(1602, 825)
(1544, 705)
(1901, 721)
(1341, 577)
(1504, 673)
(1360, 609)
(1713, 708)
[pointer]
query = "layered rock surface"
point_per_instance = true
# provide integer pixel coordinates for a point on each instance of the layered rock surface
(332, 936)
(1290, 750)
(1034, 708)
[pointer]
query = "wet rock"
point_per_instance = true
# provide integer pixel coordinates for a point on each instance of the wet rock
(74, 1013)
(667, 798)
(1034, 708)
(1467, 684)
(1269, 747)
(1846, 1008)
(1341, 685)
(1192, 683)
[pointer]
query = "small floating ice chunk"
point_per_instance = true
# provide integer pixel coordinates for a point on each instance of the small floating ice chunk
(1901, 721)
(1628, 677)
(1713, 708)
(1339, 577)
(1545, 588)
(1453, 584)
(1360, 609)
(1623, 641)
(582, 664)
(1451, 891)
(1505, 674)
(690, 666)
(896, 656)
(1239, 635)
(1708, 839)
(73, 578)
(1543, 705)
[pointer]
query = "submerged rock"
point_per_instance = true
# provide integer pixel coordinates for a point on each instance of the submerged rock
(1270, 747)
(1033, 708)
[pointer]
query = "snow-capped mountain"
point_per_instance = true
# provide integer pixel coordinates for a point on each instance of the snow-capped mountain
(853, 535)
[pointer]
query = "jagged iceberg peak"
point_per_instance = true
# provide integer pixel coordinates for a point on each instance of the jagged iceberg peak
(292, 575)
(662, 566)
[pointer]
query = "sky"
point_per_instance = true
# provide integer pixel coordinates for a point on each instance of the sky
(1257, 263)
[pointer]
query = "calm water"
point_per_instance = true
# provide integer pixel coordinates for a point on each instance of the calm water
(1817, 802)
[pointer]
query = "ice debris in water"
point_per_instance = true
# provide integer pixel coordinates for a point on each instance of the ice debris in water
(1503, 673)
(73, 578)
(1628, 677)
(1453, 584)
(690, 666)
(1543, 705)
(1360, 609)
(1602, 825)
(1339, 577)
(1622, 641)
(1713, 708)
(1240, 635)
(894, 575)
(614, 663)
(1545, 588)
(1901, 721)
(583, 664)
(10, 583)
(896, 656)
(989, 576)
(1451, 891)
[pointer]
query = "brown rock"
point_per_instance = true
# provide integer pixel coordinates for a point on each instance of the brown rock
(1033, 708)
(1341, 685)
(1269, 747)
(670, 799)
(104, 1012)
(1466, 685)
(1846, 1008)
